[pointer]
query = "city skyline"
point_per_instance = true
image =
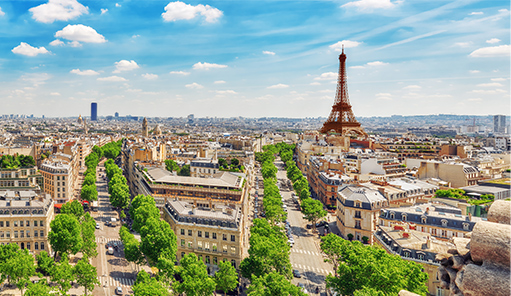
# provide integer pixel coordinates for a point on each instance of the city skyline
(254, 58)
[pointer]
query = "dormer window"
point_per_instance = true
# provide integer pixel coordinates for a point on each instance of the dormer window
(403, 216)
(392, 215)
(465, 226)
(444, 223)
(424, 220)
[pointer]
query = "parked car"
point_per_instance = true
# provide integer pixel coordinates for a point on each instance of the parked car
(321, 223)
(97, 225)
(110, 251)
(118, 291)
(309, 226)
(302, 287)
(296, 273)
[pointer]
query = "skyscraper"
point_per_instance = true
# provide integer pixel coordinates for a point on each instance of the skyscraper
(94, 111)
(499, 123)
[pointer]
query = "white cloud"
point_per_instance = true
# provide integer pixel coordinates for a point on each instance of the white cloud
(347, 44)
(178, 10)
(207, 66)
(28, 50)
(194, 86)
(377, 63)
(104, 10)
(475, 100)
(56, 42)
(327, 76)
(492, 84)
(357, 67)
(280, 85)
(315, 83)
(383, 95)
(112, 78)
(80, 33)
(55, 94)
(412, 87)
(493, 40)
(84, 73)
(489, 92)
(180, 73)
(371, 4)
(74, 44)
(498, 79)
(495, 51)
(219, 82)
(474, 71)
(268, 52)
(226, 92)
(117, 5)
(1, 12)
(58, 10)
(476, 13)
(150, 76)
(462, 44)
(124, 65)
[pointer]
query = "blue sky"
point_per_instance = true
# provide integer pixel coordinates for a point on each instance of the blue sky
(253, 58)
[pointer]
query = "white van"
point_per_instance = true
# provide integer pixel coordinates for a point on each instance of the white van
(110, 251)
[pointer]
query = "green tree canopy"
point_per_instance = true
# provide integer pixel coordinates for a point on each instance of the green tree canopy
(195, 278)
(65, 234)
(226, 277)
(20, 268)
(185, 171)
(44, 263)
(41, 288)
(145, 285)
(62, 274)
(88, 228)
(157, 236)
(171, 165)
(74, 208)
(312, 209)
(89, 179)
(131, 246)
(89, 192)
(86, 275)
(273, 284)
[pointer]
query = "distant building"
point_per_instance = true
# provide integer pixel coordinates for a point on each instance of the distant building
(145, 129)
(203, 167)
(190, 119)
(116, 114)
(94, 111)
(499, 123)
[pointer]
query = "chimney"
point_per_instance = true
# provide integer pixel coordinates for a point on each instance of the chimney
(469, 216)
(427, 211)
(194, 210)
(428, 243)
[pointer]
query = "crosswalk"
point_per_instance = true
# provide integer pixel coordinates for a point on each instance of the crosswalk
(116, 282)
(300, 251)
(104, 240)
(304, 268)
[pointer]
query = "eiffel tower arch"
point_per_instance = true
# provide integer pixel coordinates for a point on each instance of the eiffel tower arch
(342, 120)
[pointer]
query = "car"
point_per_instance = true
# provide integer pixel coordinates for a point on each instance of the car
(284, 207)
(263, 215)
(296, 273)
(97, 225)
(118, 291)
(110, 251)
(309, 226)
(321, 223)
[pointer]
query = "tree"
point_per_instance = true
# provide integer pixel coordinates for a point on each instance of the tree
(89, 246)
(286, 156)
(145, 285)
(142, 213)
(268, 170)
(185, 170)
(7, 252)
(312, 209)
(89, 179)
(332, 246)
(222, 162)
(86, 275)
(98, 151)
(89, 192)
(300, 185)
(273, 284)
(41, 288)
(65, 235)
(226, 277)
(157, 236)
(20, 268)
(44, 263)
(131, 246)
(304, 194)
(235, 162)
(195, 278)
(73, 208)
(171, 165)
(62, 274)
(26, 161)
(370, 267)
(120, 195)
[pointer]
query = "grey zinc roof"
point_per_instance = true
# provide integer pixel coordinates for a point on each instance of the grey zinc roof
(224, 179)
(355, 193)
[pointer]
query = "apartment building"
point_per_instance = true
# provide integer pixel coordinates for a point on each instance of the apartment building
(25, 218)
(213, 233)
(27, 178)
(358, 209)
(204, 167)
(59, 176)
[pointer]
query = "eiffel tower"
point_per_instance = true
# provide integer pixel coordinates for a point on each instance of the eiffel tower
(342, 120)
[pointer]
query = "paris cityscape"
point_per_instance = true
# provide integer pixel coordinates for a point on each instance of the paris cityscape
(273, 148)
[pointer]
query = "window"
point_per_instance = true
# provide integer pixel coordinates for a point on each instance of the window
(41, 223)
(206, 234)
(63, 178)
(199, 233)
(420, 256)
(182, 242)
(182, 255)
(41, 233)
(206, 246)
(465, 226)
(403, 216)
(182, 231)
(35, 223)
(214, 235)
(36, 246)
(189, 232)
(28, 223)
(208, 261)
(215, 260)
(58, 177)
(233, 238)
(7, 234)
(224, 236)
(233, 262)
(190, 244)
(28, 233)
(15, 234)
(15, 223)
(6, 223)
(28, 245)
(224, 247)
(444, 223)
(42, 246)
(233, 250)
(1, 234)
(406, 254)
(358, 214)
(21, 223)
(35, 233)
(1, 223)
(199, 245)
(214, 247)
(357, 224)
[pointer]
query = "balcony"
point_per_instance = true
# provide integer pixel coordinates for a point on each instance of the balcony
(358, 215)
(358, 227)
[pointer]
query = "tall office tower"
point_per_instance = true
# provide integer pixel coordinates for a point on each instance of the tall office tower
(499, 123)
(94, 111)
